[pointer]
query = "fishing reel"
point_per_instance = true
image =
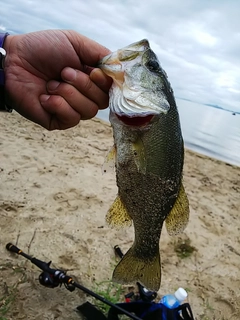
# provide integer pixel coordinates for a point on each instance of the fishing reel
(54, 280)
(50, 278)
(143, 294)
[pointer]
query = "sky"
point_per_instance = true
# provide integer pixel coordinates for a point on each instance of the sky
(197, 41)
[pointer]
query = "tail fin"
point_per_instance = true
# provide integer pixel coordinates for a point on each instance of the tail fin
(132, 269)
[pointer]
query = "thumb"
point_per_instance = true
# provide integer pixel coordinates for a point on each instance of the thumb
(89, 51)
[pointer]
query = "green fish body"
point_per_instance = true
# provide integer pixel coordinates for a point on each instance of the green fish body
(149, 154)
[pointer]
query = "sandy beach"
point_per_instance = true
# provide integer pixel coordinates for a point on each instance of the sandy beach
(53, 202)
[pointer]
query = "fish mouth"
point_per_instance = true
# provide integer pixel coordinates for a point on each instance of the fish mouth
(135, 121)
(137, 90)
(113, 64)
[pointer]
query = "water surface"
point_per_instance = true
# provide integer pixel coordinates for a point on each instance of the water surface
(207, 130)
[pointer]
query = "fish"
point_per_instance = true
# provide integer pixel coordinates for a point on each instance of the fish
(148, 153)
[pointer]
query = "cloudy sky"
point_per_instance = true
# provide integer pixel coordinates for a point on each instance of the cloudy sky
(197, 41)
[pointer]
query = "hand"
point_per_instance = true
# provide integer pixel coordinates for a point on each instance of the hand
(51, 80)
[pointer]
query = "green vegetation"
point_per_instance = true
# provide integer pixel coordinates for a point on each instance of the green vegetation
(9, 292)
(110, 291)
(6, 301)
(184, 249)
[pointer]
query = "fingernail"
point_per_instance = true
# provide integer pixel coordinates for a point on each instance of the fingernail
(69, 74)
(52, 85)
(44, 97)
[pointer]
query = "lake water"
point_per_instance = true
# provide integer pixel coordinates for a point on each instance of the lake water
(207, 130)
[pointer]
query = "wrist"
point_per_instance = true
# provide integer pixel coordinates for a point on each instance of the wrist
(3, 54)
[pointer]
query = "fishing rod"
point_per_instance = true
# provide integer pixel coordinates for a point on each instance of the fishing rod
(52, 278)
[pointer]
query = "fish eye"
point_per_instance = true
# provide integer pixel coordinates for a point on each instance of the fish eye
(152, 65)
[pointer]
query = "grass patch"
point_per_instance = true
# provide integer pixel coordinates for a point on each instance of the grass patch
(111, 291)
(6, 301)
(184, 249)
(8, 292)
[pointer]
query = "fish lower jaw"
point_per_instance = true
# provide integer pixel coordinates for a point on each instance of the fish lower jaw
(135, 121)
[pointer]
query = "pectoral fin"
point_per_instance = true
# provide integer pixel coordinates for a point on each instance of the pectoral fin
(109, 162)
(139, 155)
(177, 219)
(117, 214)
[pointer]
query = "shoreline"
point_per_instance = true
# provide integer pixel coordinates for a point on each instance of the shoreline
(205, 138)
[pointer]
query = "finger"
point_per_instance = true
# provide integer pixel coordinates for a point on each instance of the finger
(78, 101)
(101, 79)
(63, 115)
(84, 86)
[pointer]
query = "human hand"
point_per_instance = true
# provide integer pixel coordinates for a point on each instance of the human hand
(51, 80)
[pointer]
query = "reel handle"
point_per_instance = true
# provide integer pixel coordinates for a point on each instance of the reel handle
(11, 247)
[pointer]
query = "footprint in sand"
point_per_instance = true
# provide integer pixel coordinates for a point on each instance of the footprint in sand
(73, 199)
(67, 261)
(11, 206)
(70, 199)
(66, 200)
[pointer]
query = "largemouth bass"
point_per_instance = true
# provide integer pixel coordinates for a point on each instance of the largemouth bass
(149, 154)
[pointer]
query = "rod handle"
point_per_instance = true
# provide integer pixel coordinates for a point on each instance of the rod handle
(11, 247)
